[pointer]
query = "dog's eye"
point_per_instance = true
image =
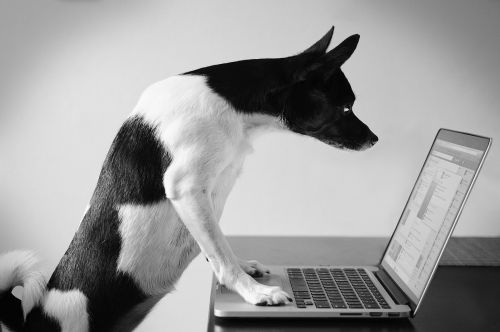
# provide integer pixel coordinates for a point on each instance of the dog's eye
(347, 108)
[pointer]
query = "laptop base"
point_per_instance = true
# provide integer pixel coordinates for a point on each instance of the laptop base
(229, 304)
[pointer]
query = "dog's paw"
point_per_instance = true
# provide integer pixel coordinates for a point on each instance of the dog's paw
(268, 295)
(256, 293)
(253, 268)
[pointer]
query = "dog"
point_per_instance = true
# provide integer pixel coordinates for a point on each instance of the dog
(164, 183)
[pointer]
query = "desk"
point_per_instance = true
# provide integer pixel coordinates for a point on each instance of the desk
(459, 298)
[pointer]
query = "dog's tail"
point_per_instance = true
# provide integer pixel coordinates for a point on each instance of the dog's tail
(17, 269)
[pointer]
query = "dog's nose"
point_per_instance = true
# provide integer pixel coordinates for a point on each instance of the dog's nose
(374, 139)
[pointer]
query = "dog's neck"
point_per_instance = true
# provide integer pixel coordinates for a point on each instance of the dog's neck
(249, 84)
(256, 124)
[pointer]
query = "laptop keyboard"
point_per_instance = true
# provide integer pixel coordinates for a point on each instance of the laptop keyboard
(337, 288)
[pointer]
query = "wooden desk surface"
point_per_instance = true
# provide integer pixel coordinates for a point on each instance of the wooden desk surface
(459, 298)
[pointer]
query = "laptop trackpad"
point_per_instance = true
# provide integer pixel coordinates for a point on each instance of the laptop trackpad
(270, 280)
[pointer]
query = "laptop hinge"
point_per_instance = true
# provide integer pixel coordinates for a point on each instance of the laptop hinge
(391, 287)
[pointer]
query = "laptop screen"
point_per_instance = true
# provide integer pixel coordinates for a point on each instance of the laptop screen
(432, 210)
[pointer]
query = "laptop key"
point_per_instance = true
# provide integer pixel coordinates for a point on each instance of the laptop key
(336, 299)
(352, 301)
(320, 299)
(302, 297)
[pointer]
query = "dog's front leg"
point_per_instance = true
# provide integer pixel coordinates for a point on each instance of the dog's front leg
(194, 206)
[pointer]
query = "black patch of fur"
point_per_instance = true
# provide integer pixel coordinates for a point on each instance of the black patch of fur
(40, 322)
(11, 312)
(133, 170)
(132, 173)
(247, 84)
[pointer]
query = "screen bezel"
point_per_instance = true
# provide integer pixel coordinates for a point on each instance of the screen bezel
(413, 302)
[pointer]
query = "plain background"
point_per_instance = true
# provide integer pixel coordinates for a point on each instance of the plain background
(71, 71)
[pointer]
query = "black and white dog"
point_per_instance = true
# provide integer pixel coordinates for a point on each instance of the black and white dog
(163, 186)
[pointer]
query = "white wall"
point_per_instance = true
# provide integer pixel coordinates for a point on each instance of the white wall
(72, 70)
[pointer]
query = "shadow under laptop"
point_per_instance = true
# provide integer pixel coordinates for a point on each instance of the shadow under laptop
(325, 324)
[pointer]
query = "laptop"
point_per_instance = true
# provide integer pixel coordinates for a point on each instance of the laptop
(396, 286)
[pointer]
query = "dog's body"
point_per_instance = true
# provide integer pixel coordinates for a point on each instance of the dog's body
(167, 176)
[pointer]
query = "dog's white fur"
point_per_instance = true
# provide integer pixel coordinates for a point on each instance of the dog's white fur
(17, 269)
(4, 328)
(208, 141)
(69, 308)
(156, 247)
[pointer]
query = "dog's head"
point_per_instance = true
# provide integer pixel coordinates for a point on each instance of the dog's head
(319, 100)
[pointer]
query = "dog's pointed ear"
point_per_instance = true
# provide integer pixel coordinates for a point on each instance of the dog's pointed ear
(321, 45)
(336, 57)
(309, 61)
(326, 65)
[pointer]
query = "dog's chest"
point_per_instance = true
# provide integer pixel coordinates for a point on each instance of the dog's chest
(156, 246)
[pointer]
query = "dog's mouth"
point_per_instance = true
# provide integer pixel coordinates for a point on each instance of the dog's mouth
(333, 137)
(344, 144)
